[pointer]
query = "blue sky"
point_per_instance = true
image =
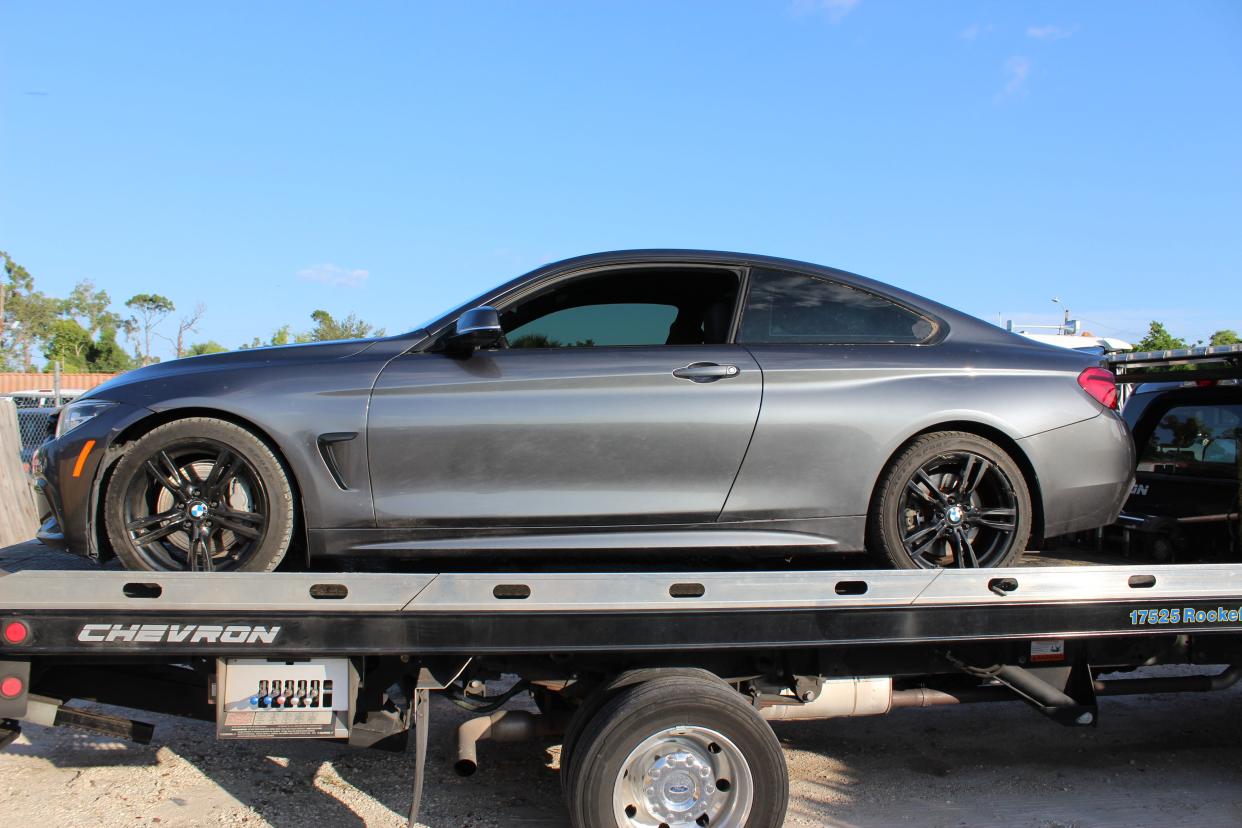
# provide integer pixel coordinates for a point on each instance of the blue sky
(392, 159)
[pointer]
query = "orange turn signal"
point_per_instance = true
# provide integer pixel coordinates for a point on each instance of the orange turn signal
(86, 449)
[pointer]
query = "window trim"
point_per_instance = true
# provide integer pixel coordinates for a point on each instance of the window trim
(940, 328)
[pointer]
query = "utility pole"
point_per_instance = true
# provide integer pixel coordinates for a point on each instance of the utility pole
(1064, 317)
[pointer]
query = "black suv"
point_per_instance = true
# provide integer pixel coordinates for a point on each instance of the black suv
(1185, 500)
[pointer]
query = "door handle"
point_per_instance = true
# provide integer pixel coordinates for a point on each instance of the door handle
(706, 372)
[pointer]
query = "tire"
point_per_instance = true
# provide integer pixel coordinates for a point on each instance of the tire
(229, 502)
(598, 697)
(716, 755)
(586, 711)
(950, 498)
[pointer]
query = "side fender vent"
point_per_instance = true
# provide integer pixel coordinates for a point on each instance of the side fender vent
(328, 448)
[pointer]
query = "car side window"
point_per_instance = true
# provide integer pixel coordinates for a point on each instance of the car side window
(795, 308)
(1195, 440)
(589, 325)
(627, 307)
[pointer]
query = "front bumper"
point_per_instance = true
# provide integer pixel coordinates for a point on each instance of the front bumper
(66, 477)
(49, 532)
(1085, 471)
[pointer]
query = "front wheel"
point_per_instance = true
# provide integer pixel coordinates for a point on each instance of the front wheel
(199, 494)
(950, 499)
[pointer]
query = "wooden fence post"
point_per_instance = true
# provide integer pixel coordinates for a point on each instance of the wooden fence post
(18, 518)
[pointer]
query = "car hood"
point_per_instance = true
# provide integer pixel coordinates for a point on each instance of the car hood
(245, 358)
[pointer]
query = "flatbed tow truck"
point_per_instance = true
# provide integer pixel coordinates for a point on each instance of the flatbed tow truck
(662, 684)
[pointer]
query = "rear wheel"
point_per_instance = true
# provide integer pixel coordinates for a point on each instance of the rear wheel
(600, 695)
(950, 499)
(677, 751)
(199, 494)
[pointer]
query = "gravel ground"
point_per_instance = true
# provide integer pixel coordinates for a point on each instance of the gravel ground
(1152, 761)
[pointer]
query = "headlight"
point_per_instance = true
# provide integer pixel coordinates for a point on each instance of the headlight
(76, 413)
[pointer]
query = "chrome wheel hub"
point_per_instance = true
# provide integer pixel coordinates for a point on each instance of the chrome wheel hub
(687, 776)
(678, 783)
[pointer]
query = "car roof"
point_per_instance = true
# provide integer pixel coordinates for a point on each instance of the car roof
(956, 319)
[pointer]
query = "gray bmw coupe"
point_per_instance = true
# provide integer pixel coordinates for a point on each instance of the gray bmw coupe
(660, 402)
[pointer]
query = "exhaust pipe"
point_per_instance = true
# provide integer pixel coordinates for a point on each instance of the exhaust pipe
(932, 697)
(501, 726)
(876, 696)
(1170, 684)
(838, 698)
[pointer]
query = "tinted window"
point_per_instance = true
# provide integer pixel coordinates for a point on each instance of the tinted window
(628, 306)
(786, 307)
(1197, 440)
(613, 324)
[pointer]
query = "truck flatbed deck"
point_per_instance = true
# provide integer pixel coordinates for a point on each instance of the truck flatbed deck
(601, 651)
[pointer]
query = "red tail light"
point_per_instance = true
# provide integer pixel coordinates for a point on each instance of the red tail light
(11, 687)
(16, 632)
(1100, 384)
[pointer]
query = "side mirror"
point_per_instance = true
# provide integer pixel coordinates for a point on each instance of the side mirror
(476, 328)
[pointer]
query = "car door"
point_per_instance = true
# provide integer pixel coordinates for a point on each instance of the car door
(843, 372)
(588, 433)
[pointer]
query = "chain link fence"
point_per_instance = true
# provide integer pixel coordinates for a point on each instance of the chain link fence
(34, 426)
(38, 398)
(36, 411)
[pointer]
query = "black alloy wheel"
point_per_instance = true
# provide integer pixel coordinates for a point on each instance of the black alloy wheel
(952, 500)
(199, 495)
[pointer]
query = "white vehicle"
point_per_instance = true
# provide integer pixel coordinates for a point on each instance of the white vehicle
(1070, 334)
(1086, 342)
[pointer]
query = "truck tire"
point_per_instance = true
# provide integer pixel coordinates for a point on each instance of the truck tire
(679, 750)
(598, 697)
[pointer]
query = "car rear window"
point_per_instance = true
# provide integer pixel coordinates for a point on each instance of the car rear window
(1195, 440)
(785, 307)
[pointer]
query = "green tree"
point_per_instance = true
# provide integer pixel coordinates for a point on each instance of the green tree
(351, 327)
(1159, 339)
(69, 344)
(28, 315)
(106, 355)
(208, 347)
(90, 307)
(281, 336)
(1225, 337)
(151, 309)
